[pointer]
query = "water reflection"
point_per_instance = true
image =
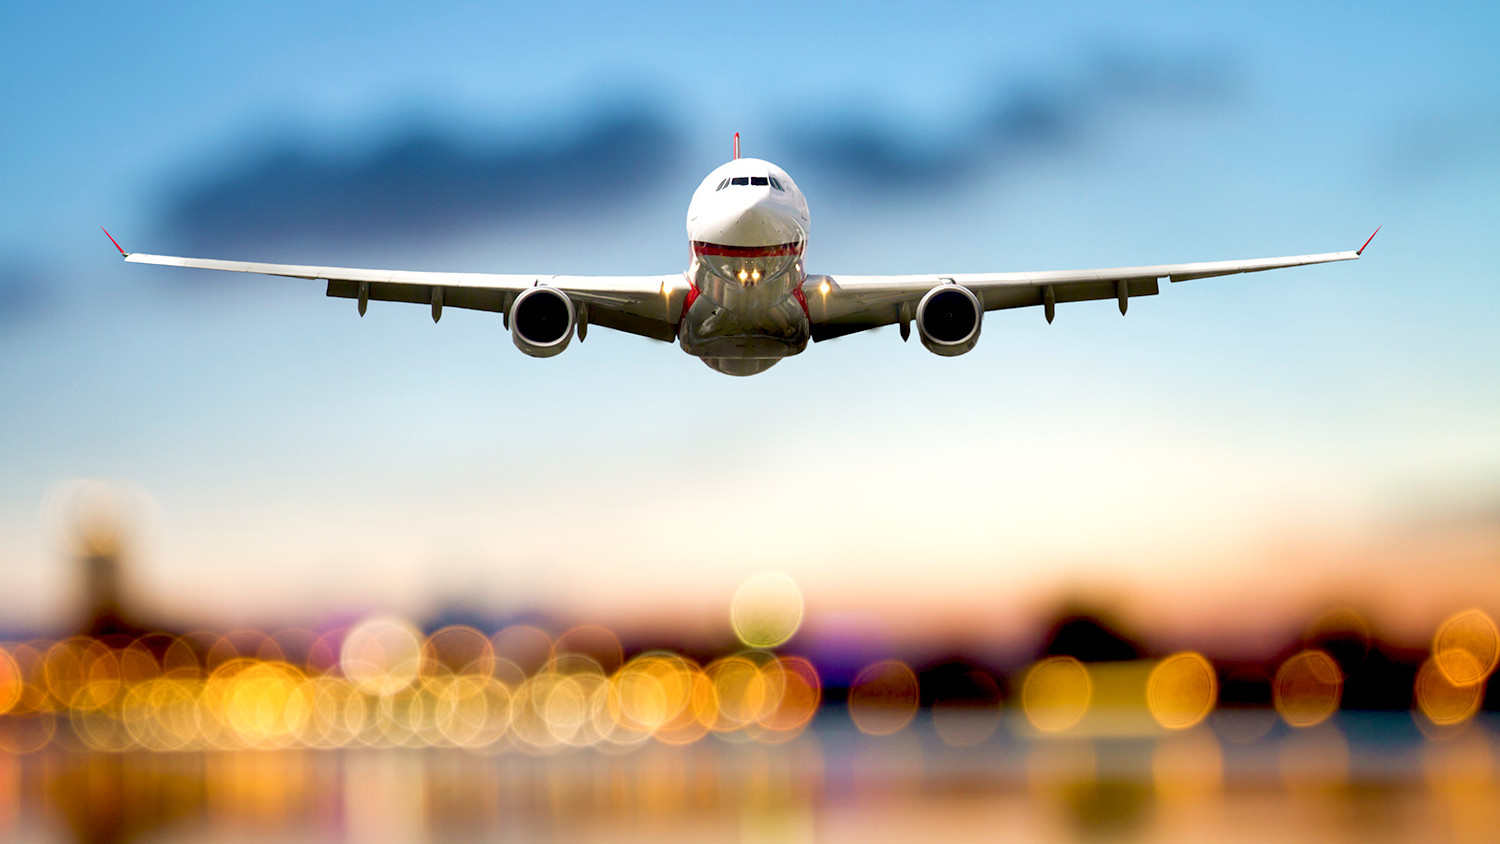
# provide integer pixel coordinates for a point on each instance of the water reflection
(831, 782)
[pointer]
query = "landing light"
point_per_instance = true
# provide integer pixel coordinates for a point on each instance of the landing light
(743, 275)
(755, 274)
(823, 288)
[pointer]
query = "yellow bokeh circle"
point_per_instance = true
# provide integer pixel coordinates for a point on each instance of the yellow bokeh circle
(767, 610)
(1467, 647)
(1182, 690)
(1444, 702)
(1056, 693)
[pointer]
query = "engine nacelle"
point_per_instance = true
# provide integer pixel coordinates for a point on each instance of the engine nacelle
(948, 319)
(542, 321)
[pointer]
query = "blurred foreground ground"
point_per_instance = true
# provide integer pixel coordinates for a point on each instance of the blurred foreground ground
(1358, 777)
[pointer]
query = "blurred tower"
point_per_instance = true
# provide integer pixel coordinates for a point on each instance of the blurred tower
(101, 592)
(96, 528)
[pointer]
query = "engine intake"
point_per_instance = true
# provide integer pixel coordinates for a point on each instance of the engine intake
(948, 319)
(542, 321)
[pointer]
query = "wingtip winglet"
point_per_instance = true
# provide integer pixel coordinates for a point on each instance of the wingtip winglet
(1361, 250)
(123, 253)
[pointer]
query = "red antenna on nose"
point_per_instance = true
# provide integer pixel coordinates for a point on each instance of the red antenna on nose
(736, 144)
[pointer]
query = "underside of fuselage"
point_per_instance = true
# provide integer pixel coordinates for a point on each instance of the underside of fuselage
(760, 318)
(740, 366)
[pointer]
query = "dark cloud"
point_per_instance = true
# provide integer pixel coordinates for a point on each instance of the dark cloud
(1021, 122)
(419, 181)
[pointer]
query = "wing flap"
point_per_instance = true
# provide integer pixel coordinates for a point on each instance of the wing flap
(655, 329)
(468, 298)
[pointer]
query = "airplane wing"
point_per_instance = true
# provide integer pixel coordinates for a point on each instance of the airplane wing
(844, 304)
(644, 305)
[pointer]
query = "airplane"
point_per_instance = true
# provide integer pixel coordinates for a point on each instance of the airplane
(745, 301)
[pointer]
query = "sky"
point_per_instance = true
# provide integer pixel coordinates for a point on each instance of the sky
(1244, 448)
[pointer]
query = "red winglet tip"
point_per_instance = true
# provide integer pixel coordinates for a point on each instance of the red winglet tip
(123, 253)
(1361, 250)
(736, 145)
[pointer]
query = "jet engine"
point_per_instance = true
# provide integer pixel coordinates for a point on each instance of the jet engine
(541, 321)
(948, 319)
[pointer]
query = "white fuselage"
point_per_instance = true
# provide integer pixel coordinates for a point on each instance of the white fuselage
(747, 227)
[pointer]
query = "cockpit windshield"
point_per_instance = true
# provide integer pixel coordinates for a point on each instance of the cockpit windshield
(755, 181)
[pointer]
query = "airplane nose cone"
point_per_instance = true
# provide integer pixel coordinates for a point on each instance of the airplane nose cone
(749, 220)
(760, 224)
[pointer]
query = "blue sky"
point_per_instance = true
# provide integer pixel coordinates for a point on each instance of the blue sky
(299, 457)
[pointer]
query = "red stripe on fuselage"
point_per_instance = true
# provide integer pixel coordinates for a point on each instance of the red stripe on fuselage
(717, 249)
(801, 300)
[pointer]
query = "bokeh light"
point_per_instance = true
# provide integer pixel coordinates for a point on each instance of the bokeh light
(393, 687)
(767, 610)
(740, 692)
(521, 649)
(1466, 647)
(596, 643)
(337, 713)
(382, 655)
(1182, 690)
(454, 650)
(1056, 693)
(11, 681)
(801, 693)
(261, 703)
(390, 685)
(1308, 688)
(883, 698)
(652, 690)
(473, 712)
(1444, 702)
(692, 722)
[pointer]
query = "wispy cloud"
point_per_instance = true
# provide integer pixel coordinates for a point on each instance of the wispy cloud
(1021, 121)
